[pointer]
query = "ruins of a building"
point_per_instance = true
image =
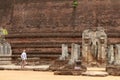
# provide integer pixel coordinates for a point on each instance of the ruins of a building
(41, 27)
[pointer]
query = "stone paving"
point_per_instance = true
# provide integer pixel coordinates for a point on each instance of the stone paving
(18, 67)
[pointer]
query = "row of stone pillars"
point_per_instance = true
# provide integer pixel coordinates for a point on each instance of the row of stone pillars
(114, 54)
(75, 53)
(113, 59)
(5, 53)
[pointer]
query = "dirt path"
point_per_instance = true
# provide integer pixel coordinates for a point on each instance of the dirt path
(32, 75)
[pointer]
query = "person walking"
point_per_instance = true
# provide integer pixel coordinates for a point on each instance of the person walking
(24, 58)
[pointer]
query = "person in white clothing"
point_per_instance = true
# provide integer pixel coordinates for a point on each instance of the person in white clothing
(24, 58)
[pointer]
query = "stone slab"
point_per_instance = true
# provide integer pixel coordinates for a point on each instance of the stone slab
(58, 64)
(67, 72)
(34, 68)
(113, 70)
(95, 73)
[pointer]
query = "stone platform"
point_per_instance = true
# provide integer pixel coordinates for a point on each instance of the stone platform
(58, 64)
(113, 70)
(70, 70)
(95, 73)
(18, 67)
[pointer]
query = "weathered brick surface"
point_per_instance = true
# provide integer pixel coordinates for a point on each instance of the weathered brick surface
(23, 17)
(55, 15)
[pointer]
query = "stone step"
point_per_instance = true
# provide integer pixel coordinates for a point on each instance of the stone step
(57, 39)
(114, 40)
(36, 46)
(44, 44)
(33, 35)
(38, 53)
(95, 73)
(113, 70)
(39, 46)
(44, 41)
(66, 29)
(51, 35)
(48, 43)
(53, 44)
(38, 50)
(53, 40)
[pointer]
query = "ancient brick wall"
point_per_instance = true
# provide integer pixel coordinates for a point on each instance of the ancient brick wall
(41, 26)
(53, 15)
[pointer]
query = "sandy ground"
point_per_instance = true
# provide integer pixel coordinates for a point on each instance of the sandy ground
(34, 75)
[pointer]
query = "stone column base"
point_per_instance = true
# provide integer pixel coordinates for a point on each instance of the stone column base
(58, 64)
(113, 70)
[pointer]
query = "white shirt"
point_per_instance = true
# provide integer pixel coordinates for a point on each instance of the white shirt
(24, 56)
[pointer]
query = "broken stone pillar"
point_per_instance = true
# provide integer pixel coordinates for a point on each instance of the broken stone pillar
(75, 53)
(64, 52)
(110, 55)
(117, 55)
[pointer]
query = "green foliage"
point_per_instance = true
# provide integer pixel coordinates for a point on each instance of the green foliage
(75, 3)
(5, 32)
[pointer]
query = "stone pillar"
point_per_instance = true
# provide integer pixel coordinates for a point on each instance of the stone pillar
(5, 48)
(64, 52)
(110, 55)
(75, 53)
(86, 42)
(1, 49)
(5, 53)
(102, 44)
(94, 44)
(117, 54)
